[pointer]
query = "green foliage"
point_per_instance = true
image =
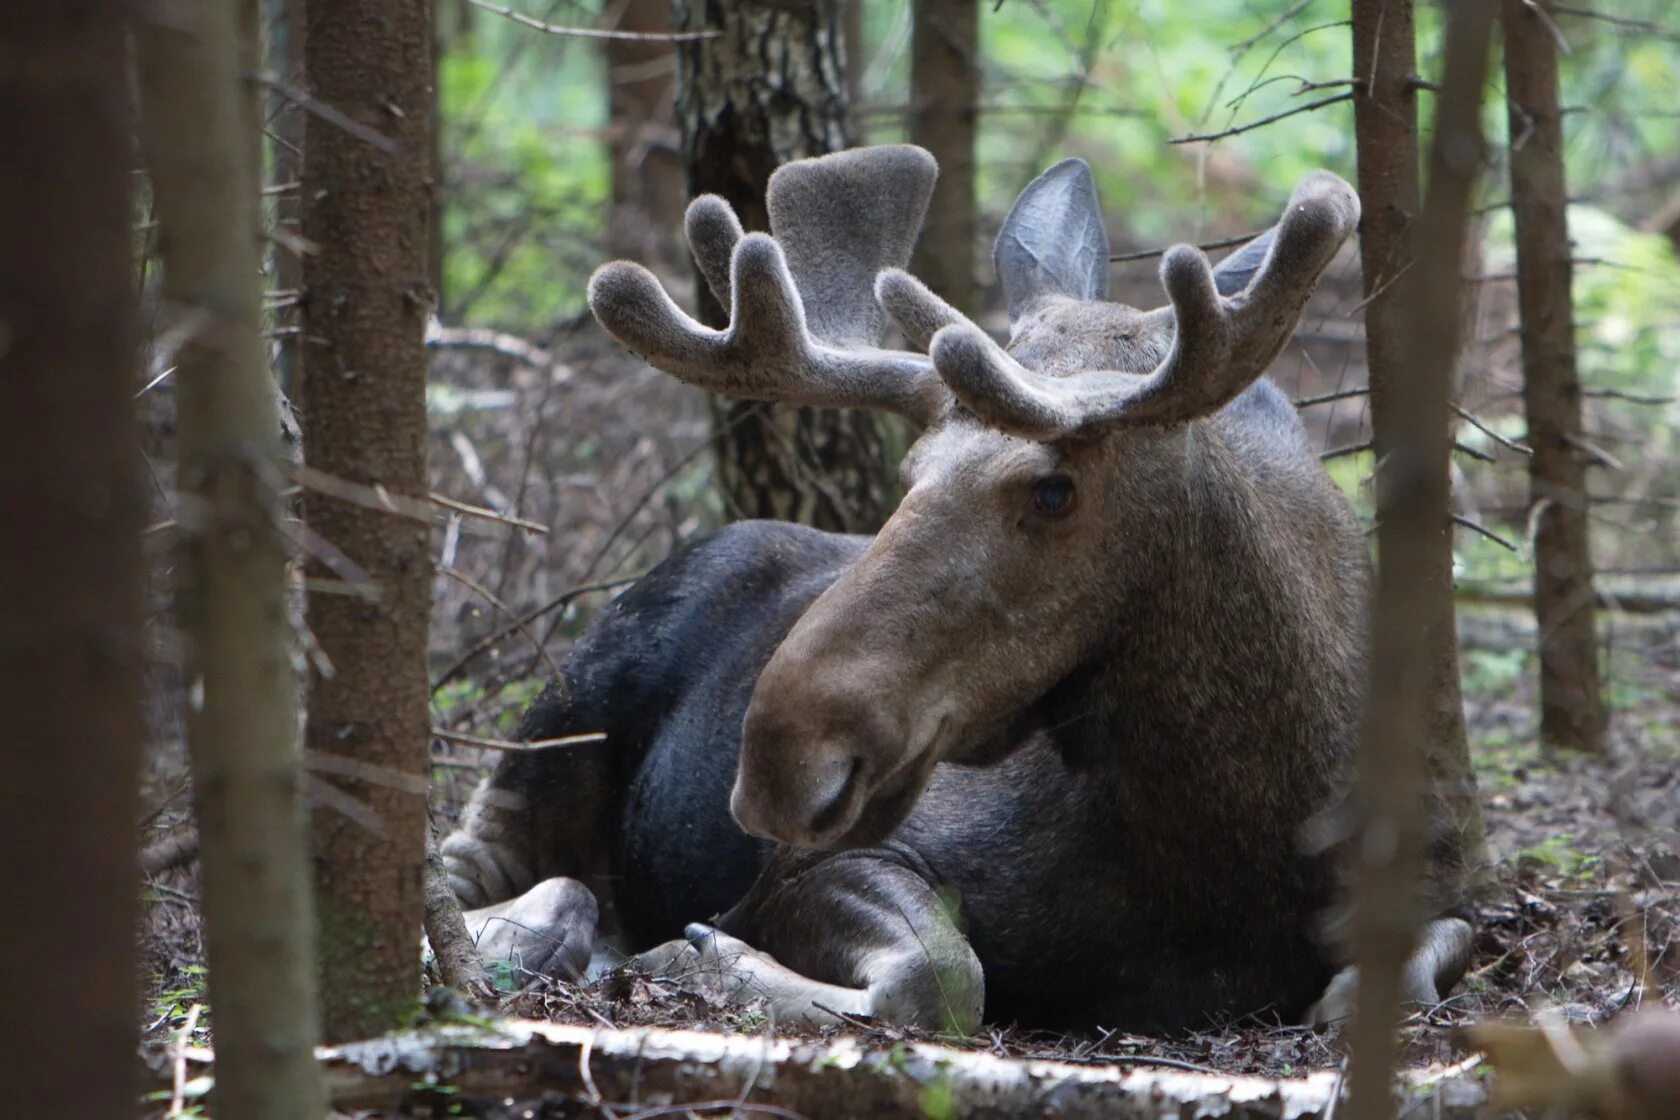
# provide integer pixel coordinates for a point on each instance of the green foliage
(529, 177)
(175, 1004)
(1493, 672)
(938, 1099)
(1560, 856)
(1627, 299)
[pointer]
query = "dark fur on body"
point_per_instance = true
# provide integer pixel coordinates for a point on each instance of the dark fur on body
(1136, 863)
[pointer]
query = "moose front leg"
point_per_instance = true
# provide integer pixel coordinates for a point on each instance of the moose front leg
(530, 856)
(1441, 956)
(828, 935)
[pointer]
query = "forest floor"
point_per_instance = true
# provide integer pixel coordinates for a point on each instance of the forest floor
(1578, 912)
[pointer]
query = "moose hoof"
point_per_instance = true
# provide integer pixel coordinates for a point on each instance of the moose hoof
(547, 931)
(710, 961)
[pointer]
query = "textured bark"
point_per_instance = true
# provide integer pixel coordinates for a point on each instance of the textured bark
(628, 1071)
(1412, 495)
(364, 409)
(771, 88)
(944, 119)
(231, 599)
(1385, 127)
(1571, 709)
(647, 168)
(70, 646)
(452, 946)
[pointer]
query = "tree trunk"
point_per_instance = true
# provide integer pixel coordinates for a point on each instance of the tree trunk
(232, 595)
(364, 408)
(1571, 710)
(71, 650)
(771, 88)
(647, 196)
(944, 118)
(1385, 128)
(1412, 494)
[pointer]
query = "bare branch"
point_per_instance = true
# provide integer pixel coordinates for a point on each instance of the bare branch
(325, 112)
(593, 32)
(1238, 130)
(581, 740)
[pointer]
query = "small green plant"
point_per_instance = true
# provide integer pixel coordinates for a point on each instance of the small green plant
(1560, 855)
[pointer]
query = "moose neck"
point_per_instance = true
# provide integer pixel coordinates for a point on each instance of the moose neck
(1229, 668)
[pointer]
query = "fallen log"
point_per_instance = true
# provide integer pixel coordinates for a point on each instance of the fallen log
(648, 1072)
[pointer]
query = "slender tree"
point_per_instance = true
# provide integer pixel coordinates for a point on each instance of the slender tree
(1386, 134)
(647, 168)
(769, 87)
(1412, 494)
(232, 602)
(70, 657)
(363, 403)
(944, 119)
(1571, 709)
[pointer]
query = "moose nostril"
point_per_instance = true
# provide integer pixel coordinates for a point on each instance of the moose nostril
(841, 802)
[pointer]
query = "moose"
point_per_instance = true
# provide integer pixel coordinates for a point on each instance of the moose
(1046, 747)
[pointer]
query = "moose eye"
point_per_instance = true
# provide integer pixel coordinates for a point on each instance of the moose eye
(1052, 495)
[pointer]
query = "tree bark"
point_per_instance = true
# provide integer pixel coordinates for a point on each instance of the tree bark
(231, 598)
(1571, 709)
(670, 1072)
(1385, 128)
(944, 119)
(768, 89)
(647, 168)
(456, 953)
(1412, 494)
(367, 295)
(71, 645)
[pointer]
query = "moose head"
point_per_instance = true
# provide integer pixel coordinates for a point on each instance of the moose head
(1047, 476)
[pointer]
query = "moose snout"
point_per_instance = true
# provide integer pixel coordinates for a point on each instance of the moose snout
(807, 774)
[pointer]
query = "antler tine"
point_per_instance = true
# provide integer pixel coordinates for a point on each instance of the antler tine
(767, 353)
(1220, 344)
(713, 231)
(918, 312)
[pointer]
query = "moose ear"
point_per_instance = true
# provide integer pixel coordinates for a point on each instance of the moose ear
(1053, 242)
(1234, 272)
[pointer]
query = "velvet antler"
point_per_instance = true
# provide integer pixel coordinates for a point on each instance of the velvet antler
(1220, 343)
(804, 324)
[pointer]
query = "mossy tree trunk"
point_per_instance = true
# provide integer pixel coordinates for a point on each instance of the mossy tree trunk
(1386, 133)
(1571, 707)
(363, 403)
(71, 645)
(770, 88)
(232, 597)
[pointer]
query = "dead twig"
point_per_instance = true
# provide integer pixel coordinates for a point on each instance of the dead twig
(1478, 527)
(325, 112)
(580, 740)
(1238, 130)
(594, 32)
(518, 623)
(1206, 246)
